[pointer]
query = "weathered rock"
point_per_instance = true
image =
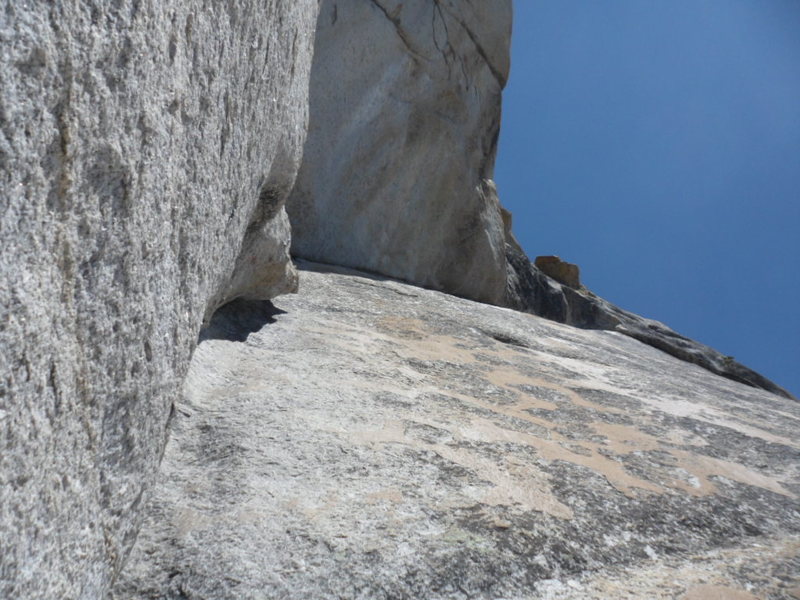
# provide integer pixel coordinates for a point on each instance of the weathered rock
(146, 150)
(532, 290)
(405, 114)
(369, 439)
(563, 272)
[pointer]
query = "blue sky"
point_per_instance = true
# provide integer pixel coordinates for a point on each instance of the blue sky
(656, 143)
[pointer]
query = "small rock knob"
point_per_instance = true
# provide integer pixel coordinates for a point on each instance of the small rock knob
(562, 272)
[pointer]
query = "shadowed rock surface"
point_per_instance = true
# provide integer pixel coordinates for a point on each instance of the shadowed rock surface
(146, 150)
(370, 439)
(397, 168)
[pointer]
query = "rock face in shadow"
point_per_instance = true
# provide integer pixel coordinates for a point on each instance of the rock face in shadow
(378, 440)
(405, 114)
(146, 151)
(531, 290)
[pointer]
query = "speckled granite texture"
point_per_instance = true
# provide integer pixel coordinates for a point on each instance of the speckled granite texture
(146, 150)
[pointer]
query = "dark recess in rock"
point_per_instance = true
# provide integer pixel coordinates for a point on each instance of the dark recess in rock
(236, 320)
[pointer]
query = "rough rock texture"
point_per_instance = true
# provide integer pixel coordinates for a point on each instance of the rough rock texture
(531, 290)
(405, 113)
(369, 439)
(146, 149)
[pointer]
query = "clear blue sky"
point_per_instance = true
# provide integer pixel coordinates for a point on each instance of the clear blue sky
(656, 143)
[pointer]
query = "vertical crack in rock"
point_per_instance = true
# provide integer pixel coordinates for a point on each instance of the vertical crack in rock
(446, 50)
(496, 72)
(394, 19)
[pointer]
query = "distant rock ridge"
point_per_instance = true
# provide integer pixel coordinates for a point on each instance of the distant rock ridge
(531, 290)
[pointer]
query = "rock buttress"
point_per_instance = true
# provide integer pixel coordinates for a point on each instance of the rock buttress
(146, 150)
(405, 114)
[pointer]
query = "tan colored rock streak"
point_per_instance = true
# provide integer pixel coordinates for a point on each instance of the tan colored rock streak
(717, 592)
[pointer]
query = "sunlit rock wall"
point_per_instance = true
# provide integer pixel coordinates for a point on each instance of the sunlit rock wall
(405, 114)
(146, 150)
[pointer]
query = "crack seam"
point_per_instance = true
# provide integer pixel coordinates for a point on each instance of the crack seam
(399, 30)
(501, 80)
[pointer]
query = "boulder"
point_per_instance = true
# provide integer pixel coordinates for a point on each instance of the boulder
(369, 439)
(563, 272)
(146, 151)
(397, 167)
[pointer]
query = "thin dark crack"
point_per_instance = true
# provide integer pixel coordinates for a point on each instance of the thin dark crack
(447, 52)
(395, 21)
(387, 288)
(501, 79)
(505, 338)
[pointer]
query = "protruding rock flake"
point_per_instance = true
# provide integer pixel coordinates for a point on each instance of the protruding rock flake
(563, 272)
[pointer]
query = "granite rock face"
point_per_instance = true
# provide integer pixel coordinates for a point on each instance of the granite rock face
(563, 272)
(405, 114)
(369, 439)
(397, 167)
(146, 151)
